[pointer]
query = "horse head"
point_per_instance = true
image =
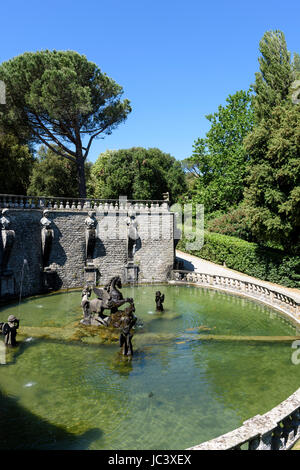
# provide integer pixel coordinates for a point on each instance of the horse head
(116, 282)
(86, 291)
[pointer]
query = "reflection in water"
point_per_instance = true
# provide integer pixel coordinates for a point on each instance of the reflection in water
(176, 391)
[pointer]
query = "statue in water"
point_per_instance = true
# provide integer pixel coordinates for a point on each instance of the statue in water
(108, 298)
(159, 299)
(127, 321)
(9, 330)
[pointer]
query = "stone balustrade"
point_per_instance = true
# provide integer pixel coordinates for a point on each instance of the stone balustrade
(278, 429)
(77, 204)
(275, 299)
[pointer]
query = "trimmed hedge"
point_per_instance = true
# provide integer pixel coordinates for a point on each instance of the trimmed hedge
(249, 258)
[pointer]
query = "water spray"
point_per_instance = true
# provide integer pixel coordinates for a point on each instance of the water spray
(21, 285)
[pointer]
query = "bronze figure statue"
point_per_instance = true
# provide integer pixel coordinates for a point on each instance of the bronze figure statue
(9, 330)
(128, 320)
(159, 299)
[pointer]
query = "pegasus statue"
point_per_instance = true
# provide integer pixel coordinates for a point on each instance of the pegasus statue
(108, 298)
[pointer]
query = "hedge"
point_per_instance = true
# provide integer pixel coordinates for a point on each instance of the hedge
(249, 258)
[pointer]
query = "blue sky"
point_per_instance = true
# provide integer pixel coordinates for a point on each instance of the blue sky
(176, 60)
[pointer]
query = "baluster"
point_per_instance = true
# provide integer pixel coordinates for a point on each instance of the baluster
(238, 447)
(87, 204)
(287, 431)
(296, 422)
(254, 443)
(67, 205)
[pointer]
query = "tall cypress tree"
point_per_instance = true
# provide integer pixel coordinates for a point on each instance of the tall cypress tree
(273, 82)
(273, 194)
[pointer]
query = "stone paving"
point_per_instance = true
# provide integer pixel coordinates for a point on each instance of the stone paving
(193, 263)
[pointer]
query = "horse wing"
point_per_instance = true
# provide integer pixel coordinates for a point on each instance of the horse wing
(100, 293)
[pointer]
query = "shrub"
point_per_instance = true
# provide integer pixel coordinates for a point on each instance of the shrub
(232, 223)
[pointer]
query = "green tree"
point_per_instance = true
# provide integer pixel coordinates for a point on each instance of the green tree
(219, 160)
(273, 81)
(296, 66)
(16, 165)
(54, 175)
(137, 173)
(63, 100)
(272, 197)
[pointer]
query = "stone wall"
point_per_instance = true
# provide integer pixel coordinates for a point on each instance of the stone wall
(154, 256)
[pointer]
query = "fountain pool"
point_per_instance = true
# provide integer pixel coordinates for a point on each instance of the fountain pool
(62, 388)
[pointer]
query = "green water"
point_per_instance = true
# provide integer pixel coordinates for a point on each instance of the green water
(175, 392)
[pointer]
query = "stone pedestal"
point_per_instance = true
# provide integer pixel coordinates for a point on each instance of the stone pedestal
(131, 272)
(7, 284)
(91, 275)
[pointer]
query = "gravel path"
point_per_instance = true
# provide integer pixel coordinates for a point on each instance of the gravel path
(193, 263)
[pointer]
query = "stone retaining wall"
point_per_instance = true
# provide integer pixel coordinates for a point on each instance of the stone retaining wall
(68, 261)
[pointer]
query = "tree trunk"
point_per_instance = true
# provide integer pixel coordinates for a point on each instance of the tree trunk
(81, 177)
